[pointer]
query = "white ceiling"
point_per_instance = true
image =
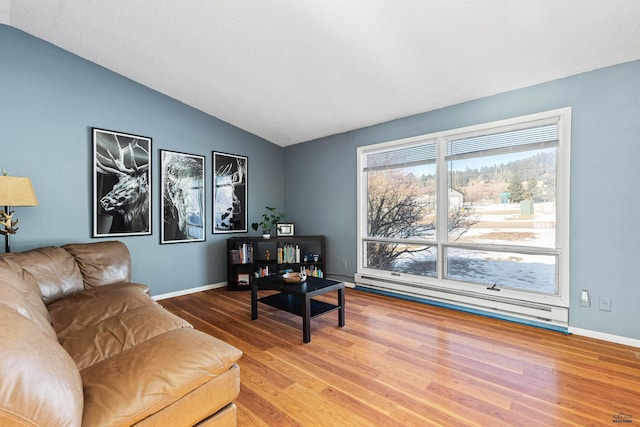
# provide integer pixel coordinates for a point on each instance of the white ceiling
(295, 70)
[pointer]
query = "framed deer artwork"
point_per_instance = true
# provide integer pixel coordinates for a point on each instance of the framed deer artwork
(229, 193)
(121, 184)
(182, 197)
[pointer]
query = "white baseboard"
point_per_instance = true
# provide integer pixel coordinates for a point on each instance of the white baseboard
(605, 337)
(189, 291)
(208, 287)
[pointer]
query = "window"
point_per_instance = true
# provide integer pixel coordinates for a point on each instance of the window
(482, 210)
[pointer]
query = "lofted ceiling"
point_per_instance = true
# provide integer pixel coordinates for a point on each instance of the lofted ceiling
(295, 70)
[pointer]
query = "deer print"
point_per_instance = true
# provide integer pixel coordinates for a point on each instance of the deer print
(227, 204)
(184, 196)
(129, 196)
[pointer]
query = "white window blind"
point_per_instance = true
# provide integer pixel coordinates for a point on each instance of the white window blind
(512, 141)
(417, 155)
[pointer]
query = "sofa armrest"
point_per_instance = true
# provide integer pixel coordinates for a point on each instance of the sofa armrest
(39, 383)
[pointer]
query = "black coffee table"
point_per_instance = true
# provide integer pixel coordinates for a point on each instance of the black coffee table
(297, 299)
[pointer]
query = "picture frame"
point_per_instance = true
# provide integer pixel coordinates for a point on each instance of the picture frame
(182, 197)
(121, 184)
(284, 229)
(229, 193)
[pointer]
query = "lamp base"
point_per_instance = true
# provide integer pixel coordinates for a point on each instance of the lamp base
(8, 228)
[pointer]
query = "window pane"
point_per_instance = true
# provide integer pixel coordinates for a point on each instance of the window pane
(401, 203)
(401, 258)
(506, 199)
(535, 273)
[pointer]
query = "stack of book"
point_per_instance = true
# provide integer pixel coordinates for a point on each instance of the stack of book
(313, 271)
(289, 254)
(242, 255)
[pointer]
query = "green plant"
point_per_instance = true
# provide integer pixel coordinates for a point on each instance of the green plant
(269, 220)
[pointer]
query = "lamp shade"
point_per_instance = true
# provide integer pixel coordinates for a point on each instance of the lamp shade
(17, 191)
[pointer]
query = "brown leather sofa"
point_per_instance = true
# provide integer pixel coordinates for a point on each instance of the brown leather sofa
(82, 346)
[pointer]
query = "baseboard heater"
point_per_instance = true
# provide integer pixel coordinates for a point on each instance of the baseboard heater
(495, 306)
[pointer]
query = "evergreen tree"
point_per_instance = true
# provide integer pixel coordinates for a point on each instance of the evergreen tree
(517, 190)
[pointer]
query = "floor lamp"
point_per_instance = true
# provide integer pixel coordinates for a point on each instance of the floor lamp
(14, 191)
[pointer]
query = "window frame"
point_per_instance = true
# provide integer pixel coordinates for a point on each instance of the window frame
(421, 284)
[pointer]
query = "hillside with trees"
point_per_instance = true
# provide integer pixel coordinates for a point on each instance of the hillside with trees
(529, 178)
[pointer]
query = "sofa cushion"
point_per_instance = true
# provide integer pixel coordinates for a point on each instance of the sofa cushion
(28, 304)
(52, 269)
(88, 308)
(202, 406)
(167, 367)
(39, 382)
(119, 333)
(102, 263)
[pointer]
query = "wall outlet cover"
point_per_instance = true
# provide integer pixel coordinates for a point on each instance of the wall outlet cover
(605, 303)
(585, 300)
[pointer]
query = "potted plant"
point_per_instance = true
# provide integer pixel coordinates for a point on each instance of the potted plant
(269, 221)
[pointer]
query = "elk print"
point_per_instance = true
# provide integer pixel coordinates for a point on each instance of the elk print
(230, 193)
(182, 197)
(122, 191)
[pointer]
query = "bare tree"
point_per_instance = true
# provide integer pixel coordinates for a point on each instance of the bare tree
(401, 206)
(460, 220)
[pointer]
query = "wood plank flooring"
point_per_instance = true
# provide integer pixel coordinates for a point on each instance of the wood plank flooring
(401, 363)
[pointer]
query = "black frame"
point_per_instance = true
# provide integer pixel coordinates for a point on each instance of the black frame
(121, 164)
(229, 193)
(182, 213)
(285, 229)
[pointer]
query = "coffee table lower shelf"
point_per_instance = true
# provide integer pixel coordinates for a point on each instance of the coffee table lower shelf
(294, 305)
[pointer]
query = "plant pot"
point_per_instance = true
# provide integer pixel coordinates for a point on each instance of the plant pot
(266, 235)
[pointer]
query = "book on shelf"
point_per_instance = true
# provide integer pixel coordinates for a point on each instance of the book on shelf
(288, 254)
(313, 271)
(263, 271)
(235, 256)
(245, 252)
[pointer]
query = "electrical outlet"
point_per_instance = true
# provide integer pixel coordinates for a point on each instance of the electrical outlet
(605, 303)
(585, 299)
(343, 264)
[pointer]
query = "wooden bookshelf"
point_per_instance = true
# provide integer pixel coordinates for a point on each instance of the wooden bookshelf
(247, 256)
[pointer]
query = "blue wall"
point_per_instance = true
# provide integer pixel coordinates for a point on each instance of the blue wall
(605, 199)
(50, 99)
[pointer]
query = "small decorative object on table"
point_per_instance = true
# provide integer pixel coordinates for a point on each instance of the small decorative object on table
(294, 277)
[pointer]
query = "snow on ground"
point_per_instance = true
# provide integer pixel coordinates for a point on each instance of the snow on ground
(499, 224)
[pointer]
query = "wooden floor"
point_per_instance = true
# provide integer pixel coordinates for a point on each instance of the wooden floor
(400, 363)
